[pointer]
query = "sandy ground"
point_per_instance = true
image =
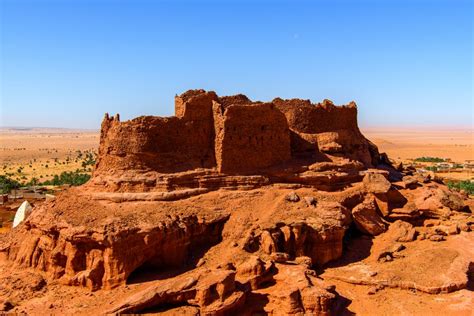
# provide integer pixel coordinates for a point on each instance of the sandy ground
(410, 143)
(42, 153)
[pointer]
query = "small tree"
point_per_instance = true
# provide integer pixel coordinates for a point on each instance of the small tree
(7, 184)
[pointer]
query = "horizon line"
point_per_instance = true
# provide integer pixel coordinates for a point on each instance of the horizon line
(361, 126)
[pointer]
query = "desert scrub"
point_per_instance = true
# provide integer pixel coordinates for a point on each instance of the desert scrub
(429, 159)
(465, 185)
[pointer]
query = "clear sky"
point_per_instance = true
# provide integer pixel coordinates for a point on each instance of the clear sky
(65, 63)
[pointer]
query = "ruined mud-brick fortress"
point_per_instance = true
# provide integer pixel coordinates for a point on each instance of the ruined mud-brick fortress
(233, 135)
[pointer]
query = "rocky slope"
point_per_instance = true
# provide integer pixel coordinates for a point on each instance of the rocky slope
(225, 221)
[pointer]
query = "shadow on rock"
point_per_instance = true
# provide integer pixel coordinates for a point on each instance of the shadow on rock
(356, 248)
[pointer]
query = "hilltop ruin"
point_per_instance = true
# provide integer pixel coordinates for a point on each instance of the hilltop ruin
(215, 139)
(232, 206)
(233, 135)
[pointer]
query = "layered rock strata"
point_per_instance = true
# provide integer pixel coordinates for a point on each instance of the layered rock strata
(231, 206)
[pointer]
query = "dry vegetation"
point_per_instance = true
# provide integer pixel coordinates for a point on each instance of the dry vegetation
(44, 153)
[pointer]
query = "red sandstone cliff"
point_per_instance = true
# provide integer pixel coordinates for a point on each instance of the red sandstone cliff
(230, 207)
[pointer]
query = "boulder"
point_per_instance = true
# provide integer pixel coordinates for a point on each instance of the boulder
(434, 200)
(376, 183)
(22, 213)
(410, 182)
(408, 211)
(367, 219)
(310, 201)
(401, 231)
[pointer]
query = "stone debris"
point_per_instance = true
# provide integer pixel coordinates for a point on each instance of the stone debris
(292, 197)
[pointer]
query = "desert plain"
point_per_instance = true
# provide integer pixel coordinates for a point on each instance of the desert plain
(44, 152)
(41, 153)
(411, 142)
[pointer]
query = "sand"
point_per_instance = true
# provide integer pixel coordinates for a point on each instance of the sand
(411, 143)
(43, 153)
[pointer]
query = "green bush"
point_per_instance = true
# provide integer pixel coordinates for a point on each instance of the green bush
(68, 177)
(7, 184)
(89, 160)
(465, 185)
(429, 159)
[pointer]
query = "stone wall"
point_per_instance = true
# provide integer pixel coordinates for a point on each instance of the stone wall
(305, 117)
(326, 128)
(166, 145)
(250, 137)
(232, 134)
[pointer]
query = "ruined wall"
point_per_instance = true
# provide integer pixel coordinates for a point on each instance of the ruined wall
(326, 128)
(173, 144)
(233, 134)
(305, 117)
(250, 137)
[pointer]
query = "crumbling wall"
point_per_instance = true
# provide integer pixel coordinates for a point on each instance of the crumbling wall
(305, 117)
(250, 137)
(234, 134)
(326, 128)
(195, 105)
(172, 144)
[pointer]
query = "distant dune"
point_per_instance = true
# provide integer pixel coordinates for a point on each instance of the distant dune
(409, 143)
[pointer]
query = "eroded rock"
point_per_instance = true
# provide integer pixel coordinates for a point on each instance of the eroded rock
(200, 213)
(367, 219)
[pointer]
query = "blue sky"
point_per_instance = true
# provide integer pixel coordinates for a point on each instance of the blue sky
(65, 63)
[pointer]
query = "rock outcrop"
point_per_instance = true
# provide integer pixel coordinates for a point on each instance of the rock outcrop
(212, 138)
(232, 206)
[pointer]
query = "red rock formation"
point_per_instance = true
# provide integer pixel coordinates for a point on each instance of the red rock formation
(228, 207)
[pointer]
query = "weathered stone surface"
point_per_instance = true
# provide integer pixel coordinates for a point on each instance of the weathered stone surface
(227, 208)
(294, 292)
(401, 231)
(367, 219)
(429, 267)
(255, 271)
(376, 183)
(432, 200)
(104, 257)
